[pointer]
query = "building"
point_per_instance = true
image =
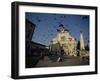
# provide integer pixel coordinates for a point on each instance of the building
(37, 47)
(65, 41)
(30, 27)
(81, 42)
(34, 50)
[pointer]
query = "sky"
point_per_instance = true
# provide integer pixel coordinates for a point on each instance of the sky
(47, 25)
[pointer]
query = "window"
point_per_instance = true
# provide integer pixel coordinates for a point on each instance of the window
(63, 38)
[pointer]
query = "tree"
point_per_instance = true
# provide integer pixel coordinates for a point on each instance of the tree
(78, 45)
(87, 47)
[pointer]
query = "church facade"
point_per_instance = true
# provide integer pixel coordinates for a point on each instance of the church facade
(66, 42)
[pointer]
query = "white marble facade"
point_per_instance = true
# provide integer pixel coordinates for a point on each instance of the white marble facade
(66, 41)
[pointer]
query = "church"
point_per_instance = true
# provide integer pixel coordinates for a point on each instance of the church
(65, 42)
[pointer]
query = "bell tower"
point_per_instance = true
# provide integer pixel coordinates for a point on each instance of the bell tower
(81, 41)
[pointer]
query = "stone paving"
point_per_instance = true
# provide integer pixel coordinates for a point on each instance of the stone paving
(70, 61)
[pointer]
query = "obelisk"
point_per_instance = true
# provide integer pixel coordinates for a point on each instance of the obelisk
(81, 41)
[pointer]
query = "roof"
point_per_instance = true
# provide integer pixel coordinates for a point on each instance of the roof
(62, 28)
(35, 43)
(30, 22)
